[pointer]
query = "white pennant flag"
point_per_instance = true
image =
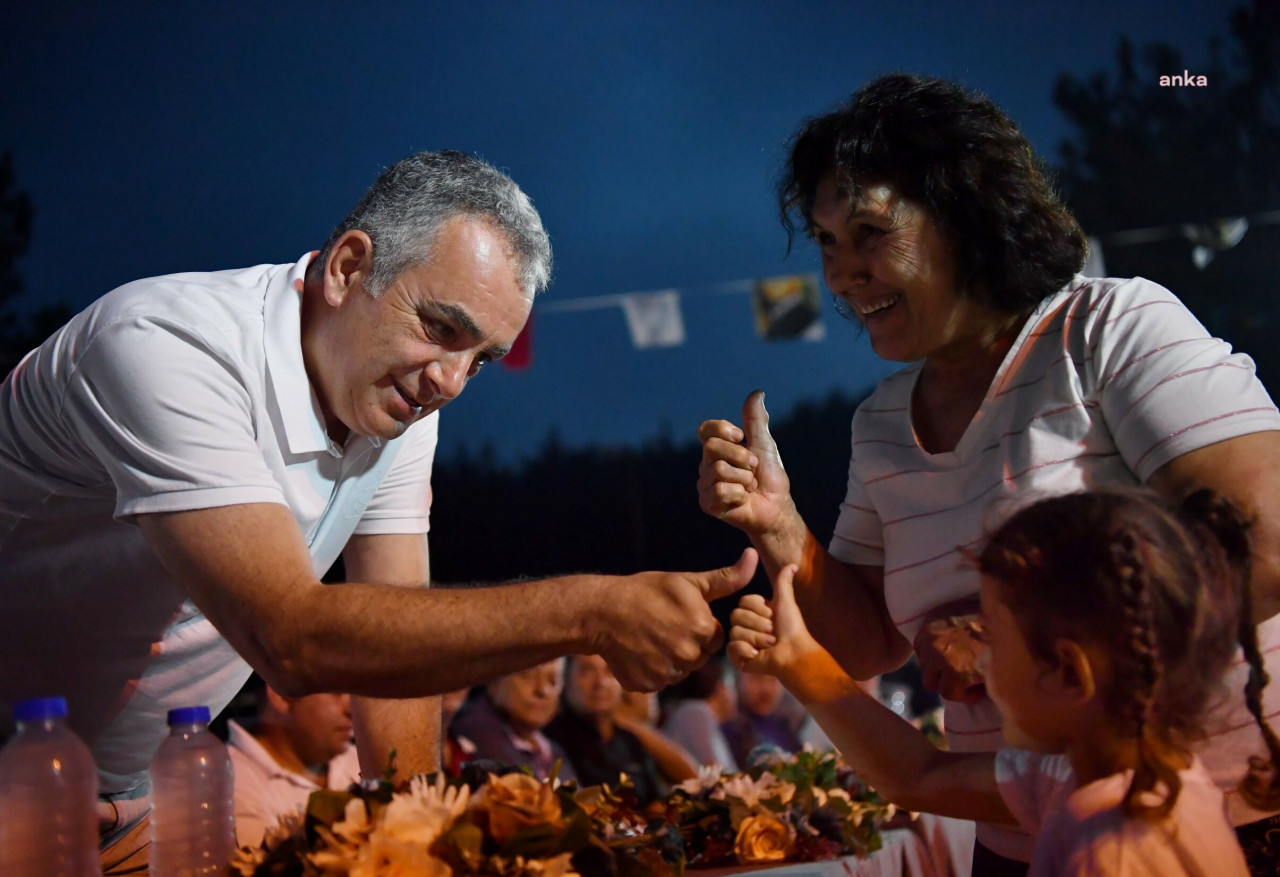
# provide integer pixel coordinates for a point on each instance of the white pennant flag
(1093, 264)
(654, 318)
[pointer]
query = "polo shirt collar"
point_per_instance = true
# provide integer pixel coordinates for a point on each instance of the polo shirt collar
(295, 398)
(249, 746)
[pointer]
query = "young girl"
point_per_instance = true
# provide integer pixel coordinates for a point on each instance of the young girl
(1108, 620)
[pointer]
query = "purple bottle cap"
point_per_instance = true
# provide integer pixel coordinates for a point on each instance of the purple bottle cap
(36, 708)
(189, 715)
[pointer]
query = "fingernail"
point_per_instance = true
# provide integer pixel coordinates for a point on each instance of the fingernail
(753, 461)
(770, 640)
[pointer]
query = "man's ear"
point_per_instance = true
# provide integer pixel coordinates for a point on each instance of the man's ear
(350, 261)
(278, 702)
(1075, 671)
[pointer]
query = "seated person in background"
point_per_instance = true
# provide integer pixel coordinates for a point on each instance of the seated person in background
(704, 700)
(638, 707)
(638, 713)
(454, 750)
(808, 731)
(599, 748)
(505, 723)
(760, 718)
(299, 745)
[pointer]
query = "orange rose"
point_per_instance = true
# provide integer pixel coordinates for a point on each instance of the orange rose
(763, 838)
(515, 802)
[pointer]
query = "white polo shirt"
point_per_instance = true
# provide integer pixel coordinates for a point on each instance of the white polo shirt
(168, 394)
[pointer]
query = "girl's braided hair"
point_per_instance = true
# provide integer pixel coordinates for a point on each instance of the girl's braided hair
(1165, 591)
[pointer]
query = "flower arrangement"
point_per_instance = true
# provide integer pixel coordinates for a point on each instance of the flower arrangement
(793, 807)
(800, 807)
(508, 825)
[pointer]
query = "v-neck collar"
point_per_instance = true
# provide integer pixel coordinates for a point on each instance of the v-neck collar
(973, 431)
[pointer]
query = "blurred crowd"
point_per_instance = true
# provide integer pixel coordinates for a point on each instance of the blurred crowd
(570, 717)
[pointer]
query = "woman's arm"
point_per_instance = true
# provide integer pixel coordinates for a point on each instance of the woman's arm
(743, 483)
(1245, 470)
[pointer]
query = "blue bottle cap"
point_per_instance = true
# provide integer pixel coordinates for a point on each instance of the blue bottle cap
(37, 708)
(189, 715)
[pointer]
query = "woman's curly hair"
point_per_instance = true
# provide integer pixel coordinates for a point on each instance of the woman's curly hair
(957, 154)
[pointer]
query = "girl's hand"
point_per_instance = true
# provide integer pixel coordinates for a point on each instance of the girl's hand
(771, 637)
(947, 646)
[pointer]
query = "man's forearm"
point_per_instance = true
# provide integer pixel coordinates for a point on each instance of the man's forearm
(387, 642)
(249, 571)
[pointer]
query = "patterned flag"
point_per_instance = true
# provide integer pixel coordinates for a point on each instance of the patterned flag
(1094, 266)
(788, 307)
(654, 318)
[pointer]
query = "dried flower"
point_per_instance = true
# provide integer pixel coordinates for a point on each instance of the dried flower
(515, 802)
(707, 778)
(763, 838)
(751, 792)
(354, 826)
(386, 856)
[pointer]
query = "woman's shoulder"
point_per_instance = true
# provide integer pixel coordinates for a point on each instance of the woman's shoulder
(1096, 293)
(1088, 308)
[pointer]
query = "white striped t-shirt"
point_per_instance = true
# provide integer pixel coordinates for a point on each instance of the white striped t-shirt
(1108, 381)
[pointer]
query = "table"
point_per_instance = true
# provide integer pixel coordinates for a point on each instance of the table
(932, 846)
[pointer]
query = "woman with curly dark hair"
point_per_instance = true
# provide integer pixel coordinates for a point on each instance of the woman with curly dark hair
(941, 235)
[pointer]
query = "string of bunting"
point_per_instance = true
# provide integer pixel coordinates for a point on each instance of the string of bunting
(785, 307)
(791, 306)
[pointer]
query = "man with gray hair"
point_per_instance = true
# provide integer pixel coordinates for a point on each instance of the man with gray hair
(182, 461)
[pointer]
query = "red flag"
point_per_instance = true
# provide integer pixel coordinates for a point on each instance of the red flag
(521, 355)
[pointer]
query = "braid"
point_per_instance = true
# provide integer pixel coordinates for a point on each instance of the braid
(1261, 785)
(1144, 655)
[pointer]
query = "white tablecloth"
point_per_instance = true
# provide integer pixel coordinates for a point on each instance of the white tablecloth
(933, 846)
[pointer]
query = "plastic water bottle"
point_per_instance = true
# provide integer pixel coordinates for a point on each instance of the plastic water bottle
(48, 796)
(192, 819)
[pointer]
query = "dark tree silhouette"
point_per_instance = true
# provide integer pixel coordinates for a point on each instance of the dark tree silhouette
(18, 334)
(618, 510)
(1145, 155)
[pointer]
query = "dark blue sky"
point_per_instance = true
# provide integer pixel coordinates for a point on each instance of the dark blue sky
(176, 136)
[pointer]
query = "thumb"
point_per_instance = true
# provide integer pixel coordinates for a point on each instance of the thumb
(786, 613)
(755, 427)
(728, 579)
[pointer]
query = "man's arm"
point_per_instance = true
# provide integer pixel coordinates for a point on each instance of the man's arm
(410, 727)
(1245, 470)
(246, 567)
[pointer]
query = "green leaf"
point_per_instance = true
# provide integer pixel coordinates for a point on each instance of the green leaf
(327, 806)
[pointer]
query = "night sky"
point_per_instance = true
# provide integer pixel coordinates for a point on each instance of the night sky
(159, 137)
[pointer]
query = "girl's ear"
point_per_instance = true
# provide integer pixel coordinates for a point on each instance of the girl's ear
(1075, 671)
